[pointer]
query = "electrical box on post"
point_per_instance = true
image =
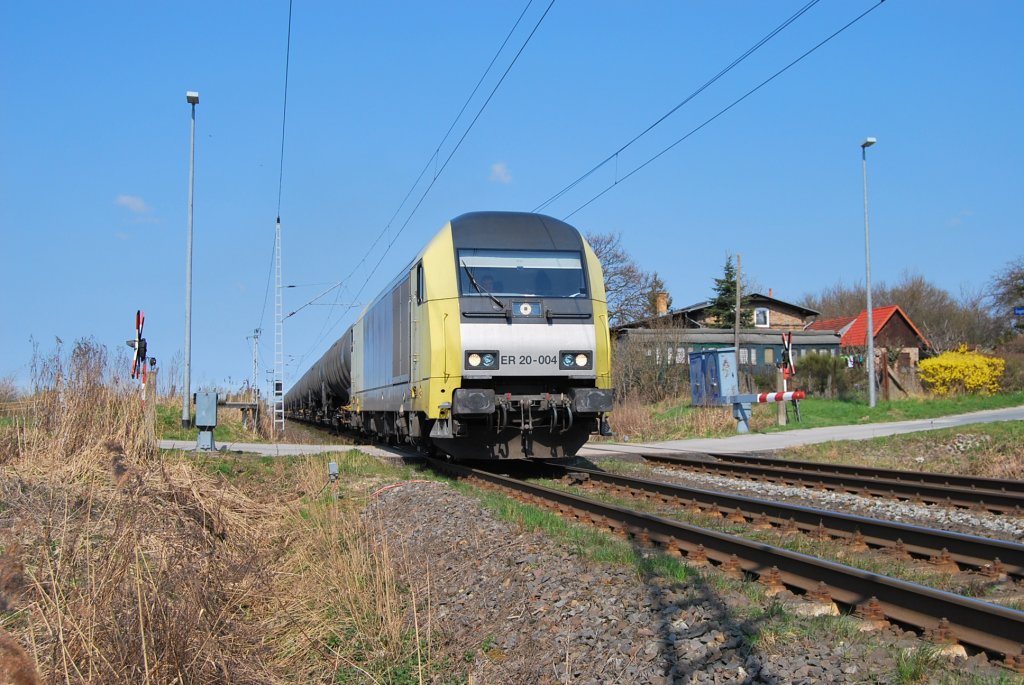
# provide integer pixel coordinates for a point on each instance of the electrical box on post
(206, 419)
(206, 409)
(713, 378)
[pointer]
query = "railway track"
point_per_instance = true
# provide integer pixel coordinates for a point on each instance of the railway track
(945, 550)
(1000, 497)
(941, 616)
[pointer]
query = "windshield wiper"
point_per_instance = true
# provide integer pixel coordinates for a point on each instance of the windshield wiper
(480, 288)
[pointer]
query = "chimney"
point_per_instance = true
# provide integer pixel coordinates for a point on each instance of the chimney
(769, 292)
(661, 303)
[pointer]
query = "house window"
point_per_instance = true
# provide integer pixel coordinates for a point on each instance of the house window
(744, 359)
(769, 355)
(761, 317)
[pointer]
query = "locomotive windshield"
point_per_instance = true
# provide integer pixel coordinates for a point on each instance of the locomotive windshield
(532, 273)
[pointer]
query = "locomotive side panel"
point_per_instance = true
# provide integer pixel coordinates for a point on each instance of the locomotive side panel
(437, 319)
(602, 334)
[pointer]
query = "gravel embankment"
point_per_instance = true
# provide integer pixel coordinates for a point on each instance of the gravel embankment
(943, 518)
(517, 608)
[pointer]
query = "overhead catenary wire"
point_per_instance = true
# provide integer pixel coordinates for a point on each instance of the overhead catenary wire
(280, 168)
(736, 62)
(432, 159)
(436, 175)
(735, 102)
(434, 156)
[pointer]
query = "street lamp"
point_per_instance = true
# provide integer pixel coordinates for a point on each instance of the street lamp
(186, 415)
(867, 267)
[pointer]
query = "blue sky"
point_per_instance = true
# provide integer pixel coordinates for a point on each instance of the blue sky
(94, 133)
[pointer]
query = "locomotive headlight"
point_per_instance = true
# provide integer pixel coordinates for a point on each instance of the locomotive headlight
(482, 360)
(575, 360)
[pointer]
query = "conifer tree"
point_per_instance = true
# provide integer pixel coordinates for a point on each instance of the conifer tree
(722, 312)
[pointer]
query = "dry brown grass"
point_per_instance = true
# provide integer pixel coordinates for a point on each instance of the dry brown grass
(666, 420)
(119, 566)
(338, 603)
(632, 419)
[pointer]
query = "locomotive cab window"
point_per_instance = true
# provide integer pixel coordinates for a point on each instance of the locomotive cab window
(421, 285)
(530, 273)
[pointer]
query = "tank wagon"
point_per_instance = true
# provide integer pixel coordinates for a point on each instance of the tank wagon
(492, 343)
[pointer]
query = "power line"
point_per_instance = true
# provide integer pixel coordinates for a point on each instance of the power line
(280, 169)
(688, 98)
(284, 108)
(729, 107)
(266, 292)
(325, 332)
(432, 158)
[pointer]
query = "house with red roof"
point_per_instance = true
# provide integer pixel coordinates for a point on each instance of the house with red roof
(893, 330)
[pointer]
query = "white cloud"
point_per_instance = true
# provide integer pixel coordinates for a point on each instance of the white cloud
(499, 173)
(135, 204)
(960, 219)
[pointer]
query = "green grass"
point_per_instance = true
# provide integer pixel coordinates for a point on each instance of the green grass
(835, 550)
(914, 665)
(817, 412)
(675, 420)
(168, 427)
(1002, 678)
(983, 449)
(245, 468)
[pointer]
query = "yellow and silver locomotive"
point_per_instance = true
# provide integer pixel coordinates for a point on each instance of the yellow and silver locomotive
(492, 343)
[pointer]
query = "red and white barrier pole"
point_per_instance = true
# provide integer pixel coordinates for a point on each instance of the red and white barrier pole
(780, 396)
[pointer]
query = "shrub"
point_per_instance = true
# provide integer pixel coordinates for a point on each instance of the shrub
(962, 371)
(648, 371)
(1012, 352)
(823, 375)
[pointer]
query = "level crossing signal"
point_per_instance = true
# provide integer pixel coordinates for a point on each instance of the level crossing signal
(139, 345)
(788, 365)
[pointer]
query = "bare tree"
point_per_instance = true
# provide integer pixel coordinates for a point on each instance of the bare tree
(626, 285)
(1006, 292)
(944, 320)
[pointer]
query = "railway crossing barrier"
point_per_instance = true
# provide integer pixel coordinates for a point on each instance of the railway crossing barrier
(741, 405)
(714, 382)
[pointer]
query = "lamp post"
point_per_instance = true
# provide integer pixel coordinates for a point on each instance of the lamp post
(186, 414)
(867, 268)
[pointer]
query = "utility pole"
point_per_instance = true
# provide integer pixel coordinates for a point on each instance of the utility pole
(256, 374)
(736, 327)
(278, 336)
(186, 411)
(867, 274)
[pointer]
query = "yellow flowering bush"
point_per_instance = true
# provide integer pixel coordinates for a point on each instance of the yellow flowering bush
(962, 371)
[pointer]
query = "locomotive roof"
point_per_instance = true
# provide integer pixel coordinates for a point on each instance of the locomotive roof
(512, 230)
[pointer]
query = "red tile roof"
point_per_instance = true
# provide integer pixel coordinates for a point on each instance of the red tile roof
(836, 324)
(856, 334)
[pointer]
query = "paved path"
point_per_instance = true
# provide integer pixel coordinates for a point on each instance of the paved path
(762, 442)
(276, 450)
(750, 442)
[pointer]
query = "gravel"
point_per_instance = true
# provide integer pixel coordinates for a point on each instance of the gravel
(514, 607)
(934, 516)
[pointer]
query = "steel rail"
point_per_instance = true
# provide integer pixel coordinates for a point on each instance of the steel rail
(924, 477)
(970, 550)
(988, 627)
(991, 500)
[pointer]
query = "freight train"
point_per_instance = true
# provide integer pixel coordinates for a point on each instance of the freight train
(492, 343)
